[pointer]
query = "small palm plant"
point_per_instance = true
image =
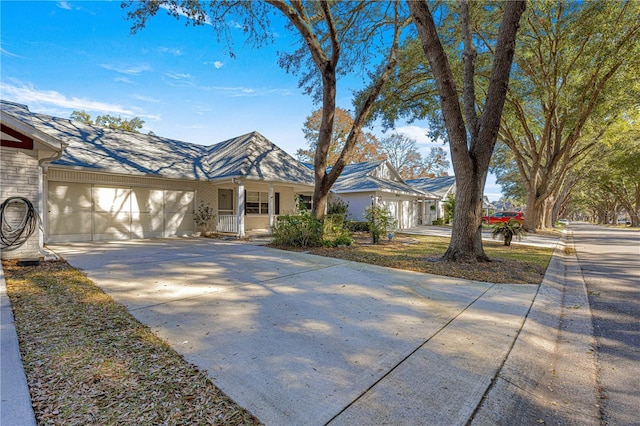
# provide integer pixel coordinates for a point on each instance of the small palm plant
(508, 230)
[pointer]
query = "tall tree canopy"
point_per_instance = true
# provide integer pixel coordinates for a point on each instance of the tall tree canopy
(367, 146)
(402, 152)
(576, 65)
(131, 125)
(336, 38)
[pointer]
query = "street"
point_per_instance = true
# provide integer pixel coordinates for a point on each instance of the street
(610, 263)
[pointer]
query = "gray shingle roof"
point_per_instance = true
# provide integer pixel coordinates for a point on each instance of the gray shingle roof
(438, 186)
(361, 177)
(250, 156)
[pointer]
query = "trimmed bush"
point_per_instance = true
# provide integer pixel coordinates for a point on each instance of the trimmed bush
(302, 230)
(354, 226)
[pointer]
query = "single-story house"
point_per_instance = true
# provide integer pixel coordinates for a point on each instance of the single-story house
(377, 182)
(95, 183)
(441, 187)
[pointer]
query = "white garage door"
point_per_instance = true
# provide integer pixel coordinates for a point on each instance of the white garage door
(85, 212)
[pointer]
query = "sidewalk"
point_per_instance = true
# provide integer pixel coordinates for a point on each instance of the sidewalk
(550, 374)
(15, 409)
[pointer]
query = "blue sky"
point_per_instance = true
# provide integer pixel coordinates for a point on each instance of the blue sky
(57, 57)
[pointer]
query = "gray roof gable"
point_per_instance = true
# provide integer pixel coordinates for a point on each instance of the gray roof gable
(255, 157)
(439, 186)
(365, 177)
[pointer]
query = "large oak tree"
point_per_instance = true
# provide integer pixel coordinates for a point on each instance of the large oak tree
(472, 135)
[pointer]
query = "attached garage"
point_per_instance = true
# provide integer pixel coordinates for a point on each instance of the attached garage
(90, 212)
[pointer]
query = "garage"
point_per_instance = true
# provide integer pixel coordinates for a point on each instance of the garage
(93, 212)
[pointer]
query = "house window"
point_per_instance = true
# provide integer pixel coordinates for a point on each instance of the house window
(258, 202)
(306, 201)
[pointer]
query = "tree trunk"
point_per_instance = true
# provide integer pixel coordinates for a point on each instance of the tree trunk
(507, 239)
(466, 235)
(532, 212)
(470, 158)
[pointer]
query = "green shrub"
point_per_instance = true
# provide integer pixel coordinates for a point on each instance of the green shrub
(439, 222)
(336, 232)
(449, 208)
(343, 240)
(302, 230)
(354, 226)
(338, 207)
(380, 220)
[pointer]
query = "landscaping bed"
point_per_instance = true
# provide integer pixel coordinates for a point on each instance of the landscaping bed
(515, 264)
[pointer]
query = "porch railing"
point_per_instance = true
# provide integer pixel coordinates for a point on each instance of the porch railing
(227, 223)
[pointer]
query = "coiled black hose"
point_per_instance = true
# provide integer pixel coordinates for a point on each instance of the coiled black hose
(13, 236)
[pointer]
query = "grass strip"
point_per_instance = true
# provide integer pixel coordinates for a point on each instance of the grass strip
(88, 361)
(515, 264)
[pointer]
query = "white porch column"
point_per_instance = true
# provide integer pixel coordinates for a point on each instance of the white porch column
(272, 208)
(241, 207)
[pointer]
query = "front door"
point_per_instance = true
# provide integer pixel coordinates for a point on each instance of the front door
(227, 221)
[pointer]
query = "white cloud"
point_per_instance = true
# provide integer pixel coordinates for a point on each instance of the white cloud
(170, 50)
(240, 91)
(123, 80)
(179, 76)
(179, 79)
(145, 98)
(7, 53)
(130, 70)
(33, 97)
(419, 134)
(63, 5)
(216, 64)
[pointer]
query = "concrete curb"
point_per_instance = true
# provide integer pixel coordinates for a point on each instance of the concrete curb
(16, 408)
(550, 375)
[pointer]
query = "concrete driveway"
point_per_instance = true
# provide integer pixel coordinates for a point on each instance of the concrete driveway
(302, 339)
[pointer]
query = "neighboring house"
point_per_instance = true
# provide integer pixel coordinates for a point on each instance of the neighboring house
(441, 187)
(111, 184)
(364, 184)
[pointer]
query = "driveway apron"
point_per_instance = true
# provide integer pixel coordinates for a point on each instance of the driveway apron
(303, 339)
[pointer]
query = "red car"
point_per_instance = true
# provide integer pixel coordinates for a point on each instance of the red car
(503, 217)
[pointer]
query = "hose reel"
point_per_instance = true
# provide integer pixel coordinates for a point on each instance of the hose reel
(19, 220)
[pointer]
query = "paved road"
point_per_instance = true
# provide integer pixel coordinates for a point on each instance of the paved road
(610, 263)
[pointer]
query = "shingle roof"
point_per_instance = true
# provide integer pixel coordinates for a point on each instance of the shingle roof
(360, 177)
(438, 185)
(97, 148)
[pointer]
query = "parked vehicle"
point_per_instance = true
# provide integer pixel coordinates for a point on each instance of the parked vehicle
(565, 222)
(500, 217)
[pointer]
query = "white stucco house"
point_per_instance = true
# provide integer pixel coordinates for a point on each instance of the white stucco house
(440, 187)
(377, 182)
(95, 183)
